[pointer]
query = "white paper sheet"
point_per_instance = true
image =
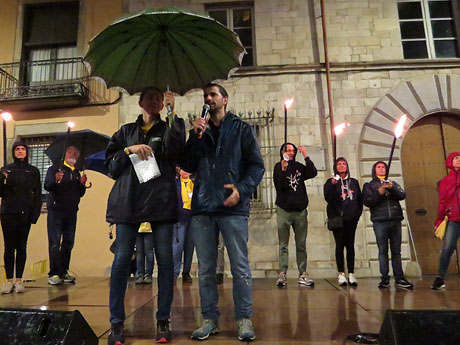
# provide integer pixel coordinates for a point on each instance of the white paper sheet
(145, 170)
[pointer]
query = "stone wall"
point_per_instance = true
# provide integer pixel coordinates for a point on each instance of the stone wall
(366, 57)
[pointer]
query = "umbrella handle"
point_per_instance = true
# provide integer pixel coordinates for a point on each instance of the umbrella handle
(90, 184)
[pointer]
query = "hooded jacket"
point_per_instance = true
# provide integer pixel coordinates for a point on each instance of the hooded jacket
(449, 193)
(344, 196)
(21, 191)
(154, 200)
(291, 193)
(383, 207)
(234, 159)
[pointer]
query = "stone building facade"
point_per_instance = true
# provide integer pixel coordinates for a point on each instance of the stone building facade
(375, 78)
(372, 85)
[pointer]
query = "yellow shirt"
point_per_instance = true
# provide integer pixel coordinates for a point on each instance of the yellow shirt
(69, 166)
(145, 129)
(186, 192)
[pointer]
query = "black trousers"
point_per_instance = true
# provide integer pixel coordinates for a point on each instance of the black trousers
(15, 229)
(61, 237)
(345, 238)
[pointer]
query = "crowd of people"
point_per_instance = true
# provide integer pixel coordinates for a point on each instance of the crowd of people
(168, 216)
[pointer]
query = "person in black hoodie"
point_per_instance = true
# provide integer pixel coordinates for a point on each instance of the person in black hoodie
(66, 187)
(343, 196)
(289, 177)
(155, 201)
(382, 197)
(20, 189)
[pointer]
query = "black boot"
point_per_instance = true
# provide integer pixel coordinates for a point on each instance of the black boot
(163, 331)
(116, 336)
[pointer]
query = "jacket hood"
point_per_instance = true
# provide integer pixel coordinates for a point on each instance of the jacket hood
(16, 144)
(335, 165)
(282, 147)
(449, 160)
(374, 175)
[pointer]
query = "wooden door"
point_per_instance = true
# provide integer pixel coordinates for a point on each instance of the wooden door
(423, 155)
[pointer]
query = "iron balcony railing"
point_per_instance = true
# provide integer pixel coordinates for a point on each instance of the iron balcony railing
(45, 78)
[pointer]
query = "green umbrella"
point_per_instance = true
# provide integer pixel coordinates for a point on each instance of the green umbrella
(167, 48)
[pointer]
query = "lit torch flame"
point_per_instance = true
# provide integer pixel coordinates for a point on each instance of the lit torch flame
(6, 116)
(288, 103)
(340, 128)
(400, 126)
(70, 124)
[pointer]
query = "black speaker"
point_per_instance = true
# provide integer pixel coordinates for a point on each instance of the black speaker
(44, 327)
(420, 327)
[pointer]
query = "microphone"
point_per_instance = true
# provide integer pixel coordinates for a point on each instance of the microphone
(204, 113)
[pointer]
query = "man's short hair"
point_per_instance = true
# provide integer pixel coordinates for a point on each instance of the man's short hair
(150, 88)
(222, 91)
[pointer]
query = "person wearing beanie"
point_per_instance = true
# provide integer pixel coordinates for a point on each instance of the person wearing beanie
(289, 178)
(344, 199)
(20, 190)
(382, 197)
(449, 206)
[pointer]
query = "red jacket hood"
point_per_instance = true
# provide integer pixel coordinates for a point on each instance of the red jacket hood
(450, 158)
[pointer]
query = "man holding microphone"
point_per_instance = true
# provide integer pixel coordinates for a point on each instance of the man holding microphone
(224, 154)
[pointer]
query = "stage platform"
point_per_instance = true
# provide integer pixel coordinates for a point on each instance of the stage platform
(294, 315)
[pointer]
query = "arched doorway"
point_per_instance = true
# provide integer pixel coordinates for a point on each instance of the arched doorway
(423, 155)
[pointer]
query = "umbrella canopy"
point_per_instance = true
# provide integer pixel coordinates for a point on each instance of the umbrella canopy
(95, 162)
(167, 48)
(87, 141)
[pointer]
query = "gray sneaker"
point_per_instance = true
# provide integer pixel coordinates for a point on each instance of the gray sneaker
(139, 279)
(245, 330)
(55, 280)
(305, 280)
(68, 279)
(207, 328)
(147, 279)
(282, 280)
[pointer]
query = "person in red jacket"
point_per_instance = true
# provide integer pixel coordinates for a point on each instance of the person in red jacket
(449, 205)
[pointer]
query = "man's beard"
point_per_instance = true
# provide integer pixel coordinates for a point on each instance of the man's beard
(71, 161)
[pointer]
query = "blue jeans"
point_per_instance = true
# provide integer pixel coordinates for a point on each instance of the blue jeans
(205, 232)
(182, 243)
(144, 253)
(450, 243)
(61, 238)
(384, 232)
(126, 239)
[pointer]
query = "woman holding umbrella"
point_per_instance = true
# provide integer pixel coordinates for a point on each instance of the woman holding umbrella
(132, 203)
(20, 189)
(344, 199)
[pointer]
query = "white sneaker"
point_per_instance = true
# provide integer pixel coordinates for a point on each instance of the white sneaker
(19, 288)
(342, 279)
(282, 280)
(305, 279)
(353, 281)
(7, 288)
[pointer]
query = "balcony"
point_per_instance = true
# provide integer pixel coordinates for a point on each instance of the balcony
(50, 84)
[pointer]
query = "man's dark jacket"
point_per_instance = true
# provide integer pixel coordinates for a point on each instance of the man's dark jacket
(291, 193)
(234, 159)
(383, 207)
(65, 195)
(154, 200)
(21, 191)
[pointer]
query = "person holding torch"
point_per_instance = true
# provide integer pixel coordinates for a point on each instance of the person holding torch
(382, 196)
